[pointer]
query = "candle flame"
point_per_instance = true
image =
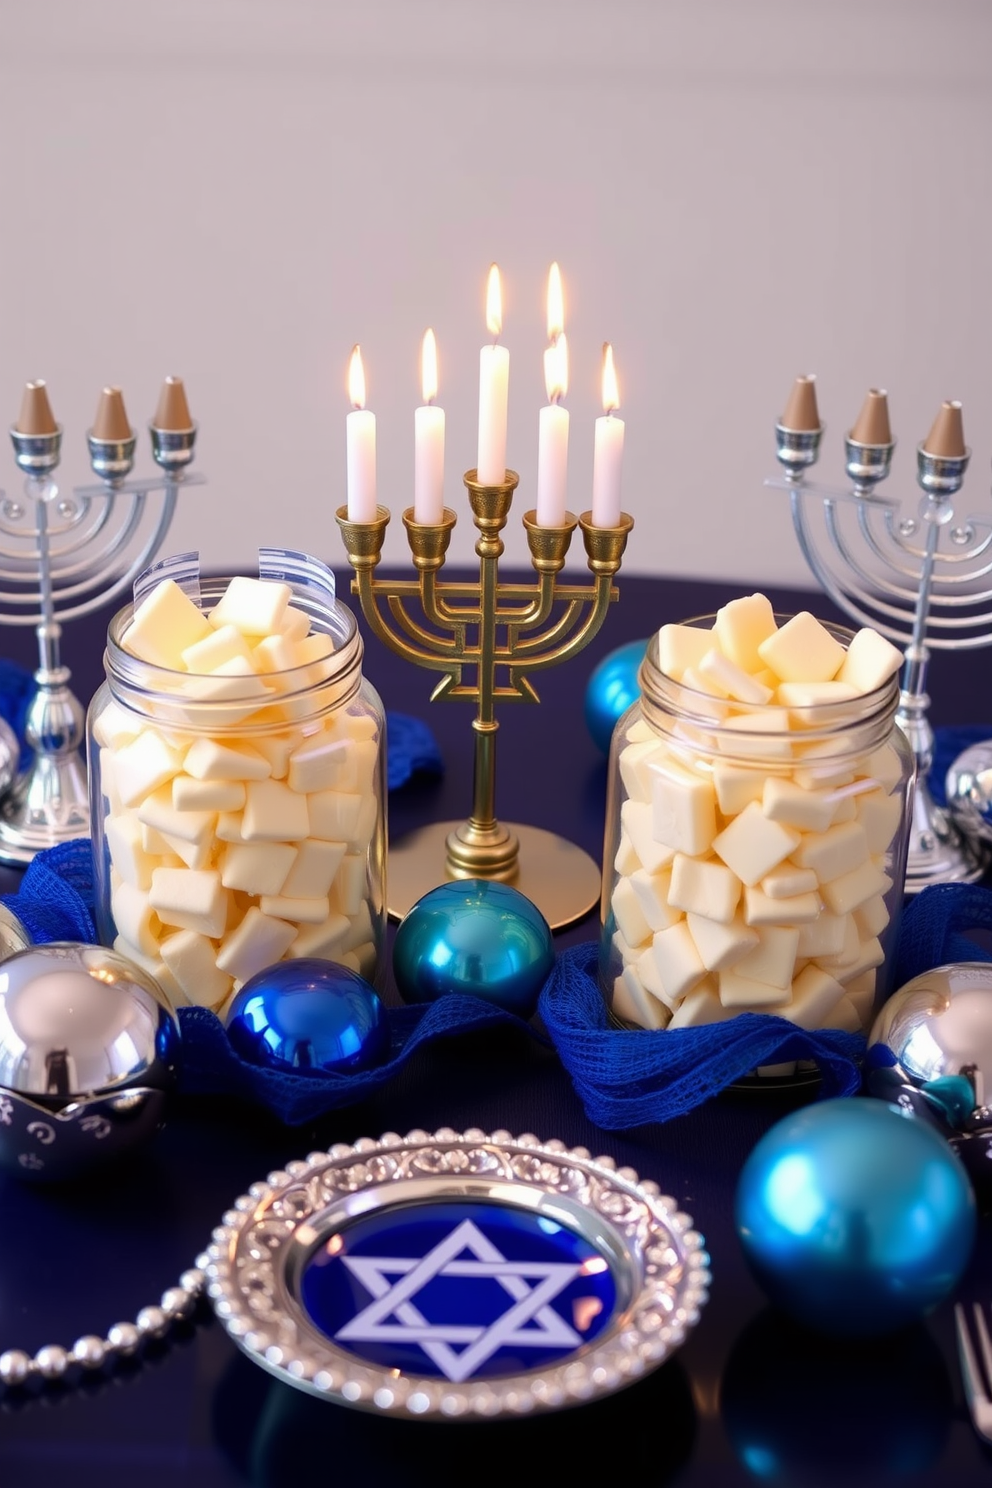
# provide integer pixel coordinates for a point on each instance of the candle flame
(428, 366)
(356, 378)
(556, 304)
(556, 369)
(494, 302)
(611, 392)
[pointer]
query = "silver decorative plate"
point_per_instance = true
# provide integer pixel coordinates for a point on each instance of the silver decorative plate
(456, 1274)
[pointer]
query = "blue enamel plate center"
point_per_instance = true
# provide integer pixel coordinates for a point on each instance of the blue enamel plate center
(459, 1289)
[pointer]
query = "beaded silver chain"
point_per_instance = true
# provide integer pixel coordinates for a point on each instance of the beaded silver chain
(91, 1352)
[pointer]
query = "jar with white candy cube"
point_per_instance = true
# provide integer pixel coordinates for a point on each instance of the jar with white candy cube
(236, 764)
(757, 824)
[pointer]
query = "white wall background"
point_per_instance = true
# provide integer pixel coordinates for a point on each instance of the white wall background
(238, 190)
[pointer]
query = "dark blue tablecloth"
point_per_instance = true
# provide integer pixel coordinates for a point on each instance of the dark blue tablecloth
(747, 1400)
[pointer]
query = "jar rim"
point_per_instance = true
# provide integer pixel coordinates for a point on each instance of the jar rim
(878, 701)
(131, 678)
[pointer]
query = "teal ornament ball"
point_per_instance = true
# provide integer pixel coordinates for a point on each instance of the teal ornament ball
(855, 1216)
(477, 937)
(611, 689)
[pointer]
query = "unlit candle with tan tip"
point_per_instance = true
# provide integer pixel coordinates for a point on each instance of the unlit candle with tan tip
(872, 424)
(111, 421)
(946, 437)
(36, 416)
(801, 414)
(172, 412)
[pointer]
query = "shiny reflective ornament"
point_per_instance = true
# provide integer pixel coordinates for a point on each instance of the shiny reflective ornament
(308, 1015)
(10, 754)
(969, 792)
(477, 937)
(855, 1216)
(89, 1049)
(13, 935)
(611, 689)
(940, 1025)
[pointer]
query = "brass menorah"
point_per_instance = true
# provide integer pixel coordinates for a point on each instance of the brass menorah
(502, 632)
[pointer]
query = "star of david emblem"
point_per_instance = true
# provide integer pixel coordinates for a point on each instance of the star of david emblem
(529, 1321)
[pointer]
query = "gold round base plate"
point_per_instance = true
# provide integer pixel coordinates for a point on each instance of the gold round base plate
(561, 879)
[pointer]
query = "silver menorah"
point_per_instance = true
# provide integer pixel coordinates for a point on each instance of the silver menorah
(919, 580)
(64, 555)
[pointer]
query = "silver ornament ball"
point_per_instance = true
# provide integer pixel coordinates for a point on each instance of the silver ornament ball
(969, 792)
(89, 1049)
(939, 1025)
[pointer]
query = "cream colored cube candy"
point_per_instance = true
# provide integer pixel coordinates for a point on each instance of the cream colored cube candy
(806, 810)
(720, 946)
(704, 888)
(321, 763)
(135, 918)
(637, 820)
(277, 653)
(741, 628)
(773, 959)
(816, 704)
(165, 623)
(786, 881)
(127, 854)
(234, 686)
(743, 993)
(869, 956)
(700, 1006)
(880, 816)
(189, 795)
(625, 861)
(629, 915)
(115, 726)
(637, 764)
(870, 661)
(274, 813)
(677, 962)
(634, 1005)
(815, 994)
(834, 852)
(763, 736)
(159, 811)
(652, 893)
(216, 648)
(848, 891)
(681, 646)
(190, 899)
(154, 967)
(761, 909)
(255, 943)
(108, 782)
(207, 759)
(299, 911)
(322, 940)
(871, 917)
(802, 651)
(192, 960)
(143, 765)
(884, 766)
(825, 936)
(736, 786)
(334, 815)
(255, 607)
(843, 1015)
(684, 812)
(314, 869)
(277, 749)
(730, 679)
(257, 867)
(752, 845)
(193, 854)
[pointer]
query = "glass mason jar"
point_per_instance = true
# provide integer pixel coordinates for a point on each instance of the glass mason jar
(242, 824)
(754, 855)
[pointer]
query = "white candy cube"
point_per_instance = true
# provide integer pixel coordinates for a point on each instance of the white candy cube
(751, 846)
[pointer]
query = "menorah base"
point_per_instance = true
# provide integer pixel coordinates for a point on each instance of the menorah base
(561, 879)
(47, 805)
(938, 853)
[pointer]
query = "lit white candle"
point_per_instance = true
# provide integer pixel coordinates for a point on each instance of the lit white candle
(608, 454)
(552, 444)
(494, 377)
(361, 447)
(428, 429)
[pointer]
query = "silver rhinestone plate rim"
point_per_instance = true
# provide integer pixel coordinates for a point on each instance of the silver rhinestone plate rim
(245, 1267)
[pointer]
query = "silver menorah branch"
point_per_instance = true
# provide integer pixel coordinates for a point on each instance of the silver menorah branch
(64, 555)
(920, 580)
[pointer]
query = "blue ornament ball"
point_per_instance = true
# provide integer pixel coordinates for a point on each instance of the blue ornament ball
(855, 1216)
(308, 1015)
(478, 937)
(611, 689)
